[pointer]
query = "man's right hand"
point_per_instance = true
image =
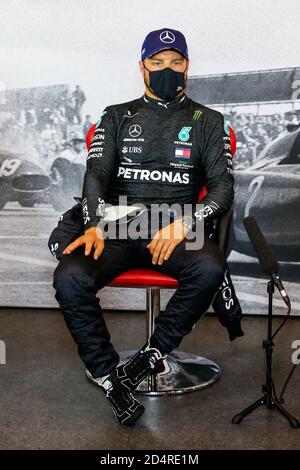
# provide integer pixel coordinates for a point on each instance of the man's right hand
(92, 238)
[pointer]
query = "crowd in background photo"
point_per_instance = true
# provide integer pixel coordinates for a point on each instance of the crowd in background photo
(45, 132)
(47, 129)
(255, 132)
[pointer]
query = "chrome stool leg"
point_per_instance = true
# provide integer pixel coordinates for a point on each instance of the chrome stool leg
(180, 372)
(153, 309)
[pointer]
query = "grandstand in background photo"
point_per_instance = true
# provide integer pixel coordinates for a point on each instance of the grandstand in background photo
(260, 105)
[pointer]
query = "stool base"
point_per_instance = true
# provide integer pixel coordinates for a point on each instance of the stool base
(180, 373)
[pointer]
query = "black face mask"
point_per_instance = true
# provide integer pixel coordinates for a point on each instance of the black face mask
(166, 83)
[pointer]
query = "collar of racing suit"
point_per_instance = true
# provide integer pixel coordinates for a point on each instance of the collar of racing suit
(174, 105)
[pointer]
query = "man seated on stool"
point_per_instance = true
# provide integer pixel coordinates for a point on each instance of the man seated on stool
(160, 148)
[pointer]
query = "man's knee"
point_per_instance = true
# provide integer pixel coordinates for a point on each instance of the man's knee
(75, 263)
(69, 288)
(207, 271)
(72, 281)
(214, 274)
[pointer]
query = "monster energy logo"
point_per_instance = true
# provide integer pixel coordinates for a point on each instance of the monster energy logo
(197, 115)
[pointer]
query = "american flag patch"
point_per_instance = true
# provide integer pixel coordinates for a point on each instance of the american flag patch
(182, 153)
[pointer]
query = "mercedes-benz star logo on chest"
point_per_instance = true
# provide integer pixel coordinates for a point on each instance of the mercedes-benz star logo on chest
(135, 130)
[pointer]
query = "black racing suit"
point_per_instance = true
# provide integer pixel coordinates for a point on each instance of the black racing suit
(155, 153)
(151, 152)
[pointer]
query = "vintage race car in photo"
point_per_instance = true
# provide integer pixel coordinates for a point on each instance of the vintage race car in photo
(27, 181)
(270, 191)
(21, 179)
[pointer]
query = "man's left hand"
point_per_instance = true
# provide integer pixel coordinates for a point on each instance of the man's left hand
(165, 240)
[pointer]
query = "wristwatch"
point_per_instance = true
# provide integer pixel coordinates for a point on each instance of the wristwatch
(188, 221)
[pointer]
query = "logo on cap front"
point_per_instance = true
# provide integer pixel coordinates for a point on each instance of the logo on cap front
(167, 37)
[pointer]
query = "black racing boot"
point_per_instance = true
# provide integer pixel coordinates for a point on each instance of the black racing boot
(129, 375)
(126, 408)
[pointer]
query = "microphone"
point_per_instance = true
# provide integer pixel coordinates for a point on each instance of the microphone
(265, 256)
(279, 285)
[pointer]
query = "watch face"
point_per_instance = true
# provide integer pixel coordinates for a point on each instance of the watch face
(187, 221)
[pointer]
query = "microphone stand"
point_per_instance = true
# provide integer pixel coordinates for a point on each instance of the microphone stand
(268, 397)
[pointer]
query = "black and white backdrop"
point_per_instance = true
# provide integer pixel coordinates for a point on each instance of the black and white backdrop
(62, 62)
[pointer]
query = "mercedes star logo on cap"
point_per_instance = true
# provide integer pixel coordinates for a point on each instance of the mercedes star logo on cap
(167, 37)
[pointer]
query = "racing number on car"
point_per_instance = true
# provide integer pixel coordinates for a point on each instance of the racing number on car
(8, 167)
(253, 189)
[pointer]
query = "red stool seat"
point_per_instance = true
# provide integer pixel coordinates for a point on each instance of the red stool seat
(141, 278)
